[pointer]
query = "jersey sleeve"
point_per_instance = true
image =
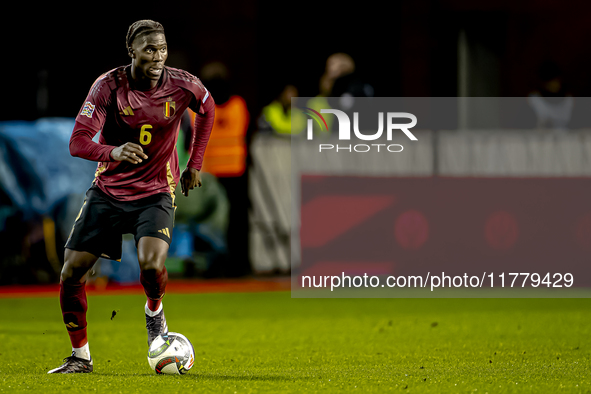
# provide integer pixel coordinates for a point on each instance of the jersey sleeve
(90, 121)
(204, 109)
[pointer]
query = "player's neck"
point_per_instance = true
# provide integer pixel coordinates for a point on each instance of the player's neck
(142, 82)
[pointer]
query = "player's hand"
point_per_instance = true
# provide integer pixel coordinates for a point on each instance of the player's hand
(130, 152)
(190, 178)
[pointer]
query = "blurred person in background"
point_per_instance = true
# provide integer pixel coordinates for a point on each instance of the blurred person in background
(277, 116)
(199, 246)
(338, 66)
(226, 157)
(137, 109)
(339, 86)
(552, 103)
(344, 81)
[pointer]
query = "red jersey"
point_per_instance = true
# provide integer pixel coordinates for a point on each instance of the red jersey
(150, 119)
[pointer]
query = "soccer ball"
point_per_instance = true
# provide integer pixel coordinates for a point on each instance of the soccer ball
(171, 354)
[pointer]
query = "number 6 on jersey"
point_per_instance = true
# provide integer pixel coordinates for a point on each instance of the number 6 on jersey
(145, 135)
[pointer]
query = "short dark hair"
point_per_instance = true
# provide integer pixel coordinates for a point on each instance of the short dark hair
(144, 26)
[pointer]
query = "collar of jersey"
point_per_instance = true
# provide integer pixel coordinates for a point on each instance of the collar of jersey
(132, 97)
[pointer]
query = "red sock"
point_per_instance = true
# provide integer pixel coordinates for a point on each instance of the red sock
(154, 283)
(78, 338)
(74, 306)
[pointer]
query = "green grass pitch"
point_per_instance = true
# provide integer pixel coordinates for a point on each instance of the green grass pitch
(269, 342)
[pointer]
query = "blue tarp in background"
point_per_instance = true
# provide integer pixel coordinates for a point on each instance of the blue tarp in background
(41, 190)
(36, 168)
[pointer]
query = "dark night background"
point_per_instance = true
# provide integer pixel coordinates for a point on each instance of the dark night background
(407, 48)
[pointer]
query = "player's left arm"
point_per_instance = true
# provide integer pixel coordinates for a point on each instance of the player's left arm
(204, 116)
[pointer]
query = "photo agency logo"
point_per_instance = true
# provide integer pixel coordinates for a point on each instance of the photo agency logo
(344, 130)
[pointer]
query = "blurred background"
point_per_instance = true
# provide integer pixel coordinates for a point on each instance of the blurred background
(254, 56)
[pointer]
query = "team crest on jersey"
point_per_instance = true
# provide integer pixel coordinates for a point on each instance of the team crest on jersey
(87, 110)
(169, 107)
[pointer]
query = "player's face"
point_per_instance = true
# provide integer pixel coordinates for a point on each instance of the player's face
(149, 54)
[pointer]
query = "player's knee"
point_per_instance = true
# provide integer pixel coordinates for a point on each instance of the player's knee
(76, 265)
(72, 271)
(152, 254)
(67, 272)
(152, 262)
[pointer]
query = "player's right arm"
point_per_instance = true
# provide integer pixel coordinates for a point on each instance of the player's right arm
(90, 121)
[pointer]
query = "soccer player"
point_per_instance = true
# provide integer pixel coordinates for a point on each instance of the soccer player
(137, 108)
